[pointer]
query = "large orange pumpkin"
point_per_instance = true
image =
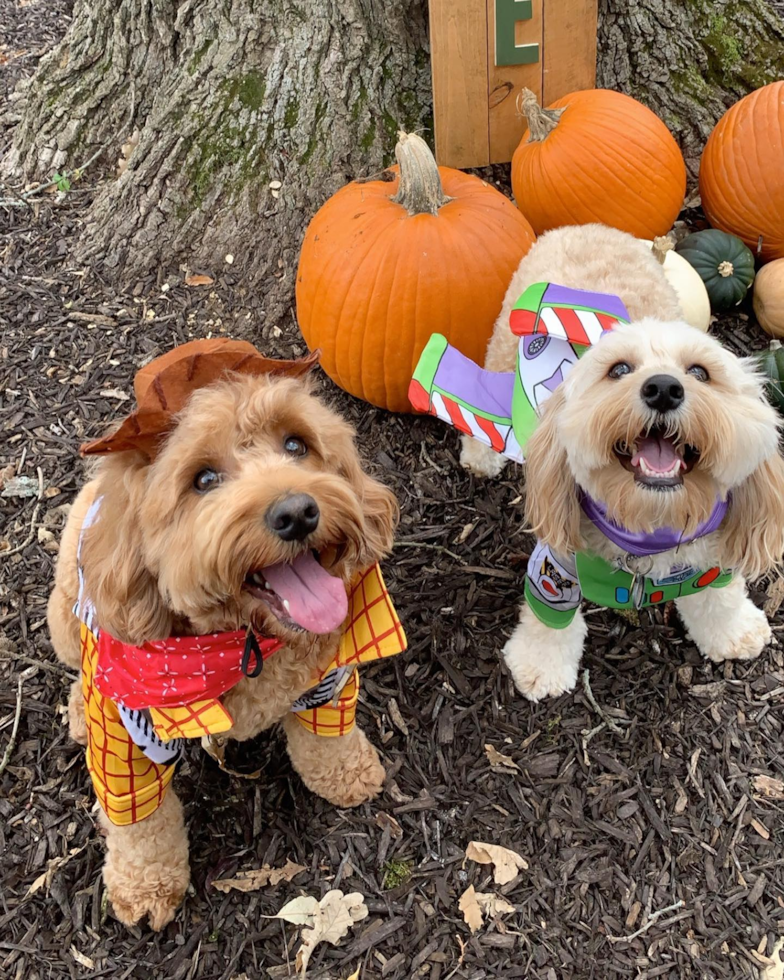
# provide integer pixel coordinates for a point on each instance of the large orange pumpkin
(742, 172)
(598, 156)
(386, 264)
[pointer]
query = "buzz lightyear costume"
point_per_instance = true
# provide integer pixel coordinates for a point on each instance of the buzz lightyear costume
(556, 326)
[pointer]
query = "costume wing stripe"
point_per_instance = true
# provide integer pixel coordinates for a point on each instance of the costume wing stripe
(456, 415)
(573, 324)
(608, 322)
(475, 424)
(439, 408)
(548, 319)
(493, 433)
(512, 449)
(522, 322)
(591, 325)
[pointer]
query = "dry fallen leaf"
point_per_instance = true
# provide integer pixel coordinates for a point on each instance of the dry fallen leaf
(475, 905)
(768, 786)
(52, 865)
(497, 758)
(215, 747)
(6, 473)
(326, 921)
(469, 906)
(506, 863)
(199, 280)
(251, 881)
(301, 911)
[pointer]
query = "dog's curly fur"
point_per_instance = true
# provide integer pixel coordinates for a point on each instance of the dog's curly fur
(726, 418)
(163, 560)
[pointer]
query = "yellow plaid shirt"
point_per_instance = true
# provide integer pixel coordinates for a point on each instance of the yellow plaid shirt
(130, 786)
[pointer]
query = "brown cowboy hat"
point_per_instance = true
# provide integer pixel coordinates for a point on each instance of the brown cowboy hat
(163, 387)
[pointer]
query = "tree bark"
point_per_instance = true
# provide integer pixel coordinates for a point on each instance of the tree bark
(689, 60)
(250, 113)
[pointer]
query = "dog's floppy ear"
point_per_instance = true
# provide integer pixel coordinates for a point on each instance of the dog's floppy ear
(552, 507)
(380, 513)
(125, 593)
(754, 529)
(378, 505)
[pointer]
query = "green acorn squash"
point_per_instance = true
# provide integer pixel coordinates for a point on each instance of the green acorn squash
(724, 263)
(771, 363)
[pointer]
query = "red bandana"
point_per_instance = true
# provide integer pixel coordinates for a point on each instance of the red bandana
(178, 670)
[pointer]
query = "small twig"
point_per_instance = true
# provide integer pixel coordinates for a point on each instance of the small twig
(31, 535)
(587, 736)
(12, 740)
(654, 917)
(436, 467)
(429, 547)
(595, 705)
(55, 668)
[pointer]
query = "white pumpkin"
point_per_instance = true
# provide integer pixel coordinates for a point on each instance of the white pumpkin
(769, 297)
(686, 282)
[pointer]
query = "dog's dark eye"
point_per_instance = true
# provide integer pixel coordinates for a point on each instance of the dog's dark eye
(295, 446)
(698, 371)
(206, 480)
(618, 370)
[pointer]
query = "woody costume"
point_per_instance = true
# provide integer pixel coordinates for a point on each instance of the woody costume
(142, 702)
(556, 326)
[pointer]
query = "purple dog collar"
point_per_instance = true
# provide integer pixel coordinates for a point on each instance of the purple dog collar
(654, 543)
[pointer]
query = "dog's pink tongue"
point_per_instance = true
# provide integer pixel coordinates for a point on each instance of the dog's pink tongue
(658, 453)
(317, 601)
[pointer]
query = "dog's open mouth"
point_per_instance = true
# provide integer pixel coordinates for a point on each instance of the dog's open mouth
(659, 460)
(301, 594)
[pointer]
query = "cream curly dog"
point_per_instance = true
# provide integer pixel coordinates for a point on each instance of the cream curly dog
(654, 472)
(234, 500)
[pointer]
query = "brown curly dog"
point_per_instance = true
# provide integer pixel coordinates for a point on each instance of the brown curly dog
(253, 474)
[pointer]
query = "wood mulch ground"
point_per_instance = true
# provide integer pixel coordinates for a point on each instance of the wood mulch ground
(664, 810)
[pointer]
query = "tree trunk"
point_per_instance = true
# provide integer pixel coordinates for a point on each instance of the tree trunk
(250, 113)
(689, 60)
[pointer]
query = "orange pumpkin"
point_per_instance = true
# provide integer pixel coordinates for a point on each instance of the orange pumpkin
(385, 264)
(598, 156)
(742, 172)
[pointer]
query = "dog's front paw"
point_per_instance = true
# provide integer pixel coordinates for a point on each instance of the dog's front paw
(543, 661)
(360, 781)
(345, 770)
(536, 676)
(479, 459)
(748, 635)
(156, 893)
(130, 906)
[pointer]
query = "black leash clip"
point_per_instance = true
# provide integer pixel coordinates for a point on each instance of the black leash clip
(252, 646)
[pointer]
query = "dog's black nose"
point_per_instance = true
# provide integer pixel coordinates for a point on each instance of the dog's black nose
(662, 392)
(294, 517)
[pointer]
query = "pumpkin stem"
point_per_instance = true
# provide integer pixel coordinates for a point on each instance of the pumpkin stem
(541, 122)
(726, 269)
(662, 244)
(420, 190)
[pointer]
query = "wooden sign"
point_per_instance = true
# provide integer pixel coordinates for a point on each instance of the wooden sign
(485, 51)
